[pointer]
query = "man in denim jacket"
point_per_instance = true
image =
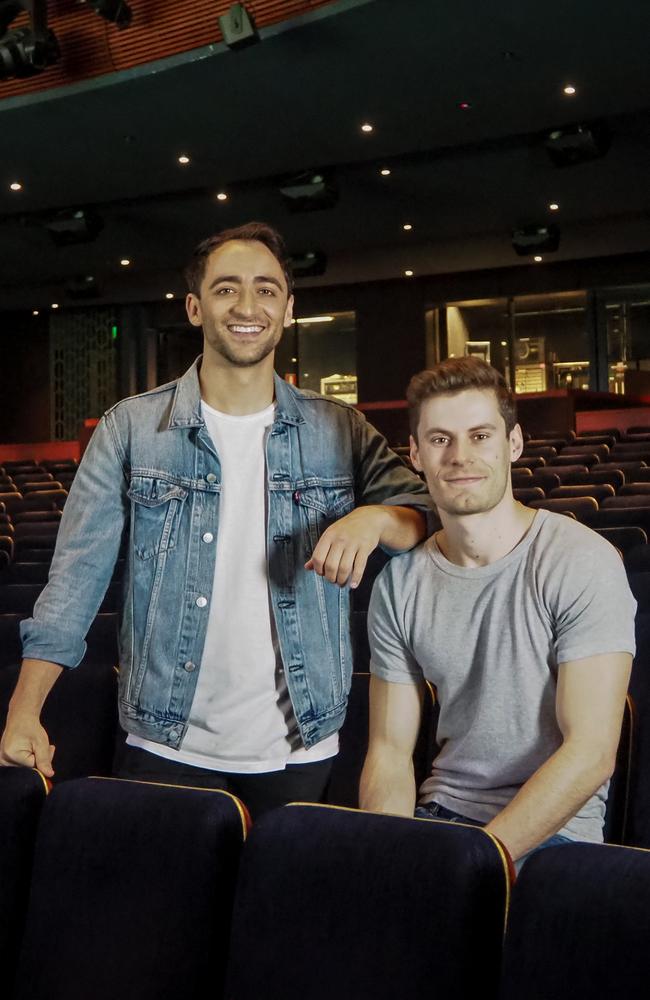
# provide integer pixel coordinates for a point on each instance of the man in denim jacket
(251, 509)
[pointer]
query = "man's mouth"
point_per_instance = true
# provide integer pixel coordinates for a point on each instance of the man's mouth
(465, 480)
(245, 329)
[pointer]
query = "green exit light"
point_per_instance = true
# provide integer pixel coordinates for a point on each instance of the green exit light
(114, 332)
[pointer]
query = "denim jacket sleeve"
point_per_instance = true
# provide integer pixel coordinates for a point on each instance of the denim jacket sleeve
(88, 544)
(380, 475)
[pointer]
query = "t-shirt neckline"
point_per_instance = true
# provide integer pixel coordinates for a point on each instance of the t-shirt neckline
(491, 569)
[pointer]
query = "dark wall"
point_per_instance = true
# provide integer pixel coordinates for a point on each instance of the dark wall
(24, 378)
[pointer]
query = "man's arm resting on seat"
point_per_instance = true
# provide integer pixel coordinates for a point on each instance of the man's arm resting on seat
(387, 780)
(24, 741)
(589, 706)
(343, 549)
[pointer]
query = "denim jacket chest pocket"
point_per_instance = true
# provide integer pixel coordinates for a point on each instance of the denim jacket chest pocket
(324, 503)
(156, 505)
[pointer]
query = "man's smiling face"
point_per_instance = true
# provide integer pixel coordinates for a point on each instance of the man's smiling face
(243, 303)
(464, 451)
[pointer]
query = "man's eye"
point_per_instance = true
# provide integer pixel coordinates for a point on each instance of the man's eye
(440, 441)
(481, 437)
(225, 290)
(267, 291)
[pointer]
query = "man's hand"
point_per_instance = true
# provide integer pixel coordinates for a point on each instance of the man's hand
(343, 549)
(26, 744)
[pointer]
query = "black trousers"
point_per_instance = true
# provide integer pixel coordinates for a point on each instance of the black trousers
(259, 792)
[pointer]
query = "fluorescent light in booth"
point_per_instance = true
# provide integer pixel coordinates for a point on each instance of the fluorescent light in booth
(314, 319)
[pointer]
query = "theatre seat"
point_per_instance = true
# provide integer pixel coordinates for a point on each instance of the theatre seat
(366, 907)
(22, 795)
(578, 926)
(132, 893)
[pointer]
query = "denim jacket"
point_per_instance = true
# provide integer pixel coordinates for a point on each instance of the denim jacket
(152, 471)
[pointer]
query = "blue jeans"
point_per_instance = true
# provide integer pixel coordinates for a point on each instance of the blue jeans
(434, 811)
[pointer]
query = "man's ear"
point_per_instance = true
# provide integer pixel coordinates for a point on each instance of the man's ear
(193, 309)
(516, 442)
(415, 454)
(288, 313)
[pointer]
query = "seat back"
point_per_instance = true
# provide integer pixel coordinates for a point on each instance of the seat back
(580, 507)
(578, 925)
(132, 892)
(22, 795)
(390, 907)
(599, 491)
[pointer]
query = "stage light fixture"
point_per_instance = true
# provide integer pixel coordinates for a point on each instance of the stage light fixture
(115, 11)
(309, 264)
(70, 227)
(28, 50)
(577, 143)
(529, 241)
(82, 287)
(310, 191)
(238, 27)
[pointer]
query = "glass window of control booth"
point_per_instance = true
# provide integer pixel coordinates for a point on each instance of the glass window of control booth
(538, 342)
(551, 341)
(320, 353)
(627, 323)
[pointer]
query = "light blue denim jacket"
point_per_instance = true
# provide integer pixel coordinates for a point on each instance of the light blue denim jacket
(152, 470)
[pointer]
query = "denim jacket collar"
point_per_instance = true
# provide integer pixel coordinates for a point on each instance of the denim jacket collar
(186, 404)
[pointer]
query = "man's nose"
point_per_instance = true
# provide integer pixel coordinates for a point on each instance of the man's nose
(459, 452)
(245, 303)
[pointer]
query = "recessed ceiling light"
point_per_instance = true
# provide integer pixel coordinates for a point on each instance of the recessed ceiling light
(408, 273)
(367, 127)
(169, 295)
(504, 343)
(537, 258)
(55, 305)
(569, 90)
(125, 262)
(34, 312)
(465, 106)
(407, 226)
(554, 207)
(222, 196)
(294, 360)
(16, 186)
(385, 172)
(184, 159)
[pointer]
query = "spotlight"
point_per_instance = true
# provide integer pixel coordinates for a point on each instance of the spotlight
(115, 11)
(309, 191)
(69, 227)
(533, 240)
(83, 287)
(577, 143)
(238, 27)
(28, 50)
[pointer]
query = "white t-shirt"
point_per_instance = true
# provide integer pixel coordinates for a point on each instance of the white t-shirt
(241, 718)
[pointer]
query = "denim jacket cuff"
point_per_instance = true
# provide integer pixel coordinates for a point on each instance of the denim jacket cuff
(44, 641)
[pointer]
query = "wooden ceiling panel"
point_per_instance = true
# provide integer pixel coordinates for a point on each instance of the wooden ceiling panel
(91, 46)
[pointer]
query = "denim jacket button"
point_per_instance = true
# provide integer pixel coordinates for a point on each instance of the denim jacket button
(208, 537)
(174, 736)
(201, 602)
(210, 478)
(189, 666)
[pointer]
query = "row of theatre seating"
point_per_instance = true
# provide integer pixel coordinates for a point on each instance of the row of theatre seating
(117, 890)
(132, 890)
(32, 496)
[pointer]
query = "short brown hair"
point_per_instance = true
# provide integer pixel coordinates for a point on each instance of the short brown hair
(455, 375)
(258, 232)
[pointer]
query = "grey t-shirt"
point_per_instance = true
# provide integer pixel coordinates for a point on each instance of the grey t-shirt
(490, 640)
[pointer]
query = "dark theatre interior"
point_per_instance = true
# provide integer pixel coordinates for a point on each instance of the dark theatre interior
(451, 179)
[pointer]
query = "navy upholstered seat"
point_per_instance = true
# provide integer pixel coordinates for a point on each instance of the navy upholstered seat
(578, 926)
(373, 907)
(22, 794)
(132, 892)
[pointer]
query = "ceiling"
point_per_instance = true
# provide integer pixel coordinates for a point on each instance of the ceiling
(461, 178)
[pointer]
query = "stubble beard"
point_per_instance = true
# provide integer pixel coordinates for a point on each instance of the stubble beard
(238, 359)
(471, 503)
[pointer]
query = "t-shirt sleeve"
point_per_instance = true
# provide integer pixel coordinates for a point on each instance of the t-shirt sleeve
(390, 656)
(596, 609)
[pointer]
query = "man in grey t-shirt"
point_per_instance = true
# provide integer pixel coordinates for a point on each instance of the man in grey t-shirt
(523, 622)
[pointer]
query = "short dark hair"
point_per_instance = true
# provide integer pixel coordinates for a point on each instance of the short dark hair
(455, 375)
(258, 232)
